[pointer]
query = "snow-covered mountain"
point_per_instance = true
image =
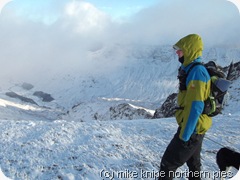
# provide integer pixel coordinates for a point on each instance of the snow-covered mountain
(76, 126)
(145, 77)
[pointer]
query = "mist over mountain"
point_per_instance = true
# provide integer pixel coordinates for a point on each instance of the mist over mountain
(37, 42)
(144, 81)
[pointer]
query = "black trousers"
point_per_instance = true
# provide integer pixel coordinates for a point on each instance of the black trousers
(179, 152)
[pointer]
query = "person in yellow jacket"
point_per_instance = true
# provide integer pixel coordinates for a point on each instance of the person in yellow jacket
(194, 89)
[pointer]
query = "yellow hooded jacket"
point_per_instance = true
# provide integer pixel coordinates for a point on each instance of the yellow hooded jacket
(190, 119)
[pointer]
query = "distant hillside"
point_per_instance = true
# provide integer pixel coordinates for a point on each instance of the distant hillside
(142, 77)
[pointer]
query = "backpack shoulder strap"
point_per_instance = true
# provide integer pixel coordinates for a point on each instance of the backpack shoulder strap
(194, 64)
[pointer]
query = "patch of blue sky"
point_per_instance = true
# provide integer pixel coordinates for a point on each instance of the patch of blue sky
(48, 11)
(122, 8)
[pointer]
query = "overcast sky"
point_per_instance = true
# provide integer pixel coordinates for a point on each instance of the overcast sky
(53, 35)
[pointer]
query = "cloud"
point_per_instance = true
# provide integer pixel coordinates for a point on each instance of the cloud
(216, 20)
(36, 48)
(85, 17)
(32, 48)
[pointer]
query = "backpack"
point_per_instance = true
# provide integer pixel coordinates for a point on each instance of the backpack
(219, 86)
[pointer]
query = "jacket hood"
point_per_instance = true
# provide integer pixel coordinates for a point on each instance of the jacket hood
(192, 47)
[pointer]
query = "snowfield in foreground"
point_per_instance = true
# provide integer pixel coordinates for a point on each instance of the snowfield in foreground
(121, 149)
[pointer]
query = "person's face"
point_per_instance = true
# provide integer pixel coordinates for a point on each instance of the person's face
(179, 53)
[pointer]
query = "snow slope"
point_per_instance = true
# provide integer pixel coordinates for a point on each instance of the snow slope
(88, 150)
(61, 139)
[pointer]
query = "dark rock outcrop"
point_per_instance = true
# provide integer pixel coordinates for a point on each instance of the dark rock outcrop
(126, 111)
(168, 107)
(44, 96)
(233, 71)
(22, 98)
